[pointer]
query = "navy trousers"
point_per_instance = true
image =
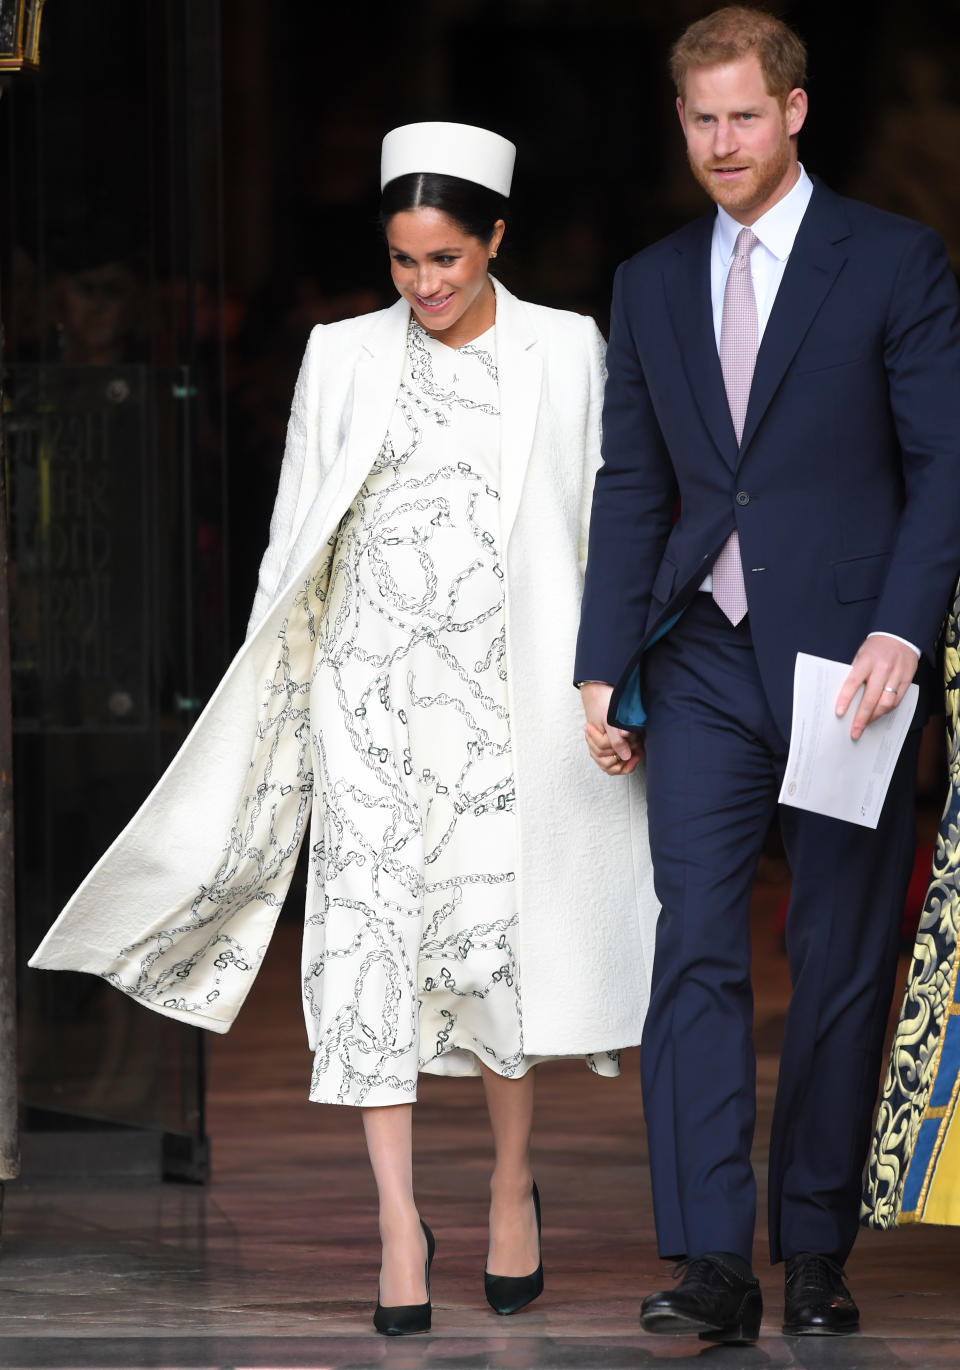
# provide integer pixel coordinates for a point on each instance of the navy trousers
(715, 762)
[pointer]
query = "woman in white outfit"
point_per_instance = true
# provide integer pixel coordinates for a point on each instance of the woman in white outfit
(404, 701)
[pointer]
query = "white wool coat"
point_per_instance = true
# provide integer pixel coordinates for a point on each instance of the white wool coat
(180, 909)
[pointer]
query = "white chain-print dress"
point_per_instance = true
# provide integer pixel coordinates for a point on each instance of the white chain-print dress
(410, 958)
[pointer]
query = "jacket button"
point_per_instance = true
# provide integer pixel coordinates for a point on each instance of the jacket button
(743, 497)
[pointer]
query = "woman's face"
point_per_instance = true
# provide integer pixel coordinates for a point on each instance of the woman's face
(442, 273)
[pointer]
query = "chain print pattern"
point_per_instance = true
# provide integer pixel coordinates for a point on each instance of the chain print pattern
(266, 835)
(410, 952)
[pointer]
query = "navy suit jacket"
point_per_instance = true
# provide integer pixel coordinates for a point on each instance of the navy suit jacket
(845, 489)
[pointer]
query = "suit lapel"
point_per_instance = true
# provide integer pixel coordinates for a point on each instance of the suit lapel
(815, 262)
(689, 305)
(520, 373)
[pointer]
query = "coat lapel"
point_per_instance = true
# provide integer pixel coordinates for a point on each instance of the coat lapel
(687, 285)
(520, 373)
(368, 406)
(815, 262)
(376, 381)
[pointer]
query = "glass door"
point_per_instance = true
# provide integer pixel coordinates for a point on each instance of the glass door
(113, 428)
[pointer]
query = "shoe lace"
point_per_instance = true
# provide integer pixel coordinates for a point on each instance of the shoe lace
(818, 1272)
(697, 1266)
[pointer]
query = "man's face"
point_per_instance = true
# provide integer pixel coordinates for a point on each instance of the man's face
(738, 136)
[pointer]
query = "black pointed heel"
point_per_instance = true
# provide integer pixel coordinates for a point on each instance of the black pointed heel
(404, 1319)
(509, 1293)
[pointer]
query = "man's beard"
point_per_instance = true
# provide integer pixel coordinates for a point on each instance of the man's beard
(760, 182)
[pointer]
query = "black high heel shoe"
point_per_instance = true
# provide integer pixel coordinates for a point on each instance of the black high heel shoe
(406, 1318)
(509, 1293)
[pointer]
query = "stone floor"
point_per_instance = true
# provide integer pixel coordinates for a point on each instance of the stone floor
(274, 1263)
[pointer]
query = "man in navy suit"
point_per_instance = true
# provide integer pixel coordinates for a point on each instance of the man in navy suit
(781, 474)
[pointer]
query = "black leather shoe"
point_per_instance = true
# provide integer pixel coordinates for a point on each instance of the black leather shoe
(712, 1300)
(509, 1293)
(817, 1302)
(403, 1319)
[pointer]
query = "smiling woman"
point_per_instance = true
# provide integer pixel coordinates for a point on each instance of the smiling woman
(404, 706)
(442, 232)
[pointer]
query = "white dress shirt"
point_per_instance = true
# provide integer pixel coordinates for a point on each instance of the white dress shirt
(776, 231)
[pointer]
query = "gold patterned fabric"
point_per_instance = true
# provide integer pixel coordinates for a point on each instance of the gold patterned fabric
(913, 1170)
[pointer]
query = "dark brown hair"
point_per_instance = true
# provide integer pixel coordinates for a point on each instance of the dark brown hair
(474, 209)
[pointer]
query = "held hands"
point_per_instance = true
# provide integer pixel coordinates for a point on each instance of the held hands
(615, 751)
(885, 667)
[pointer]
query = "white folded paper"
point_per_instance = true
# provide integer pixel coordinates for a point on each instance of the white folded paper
(827, 772)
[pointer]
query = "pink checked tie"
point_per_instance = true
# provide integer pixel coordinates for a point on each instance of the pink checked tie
(738, 354)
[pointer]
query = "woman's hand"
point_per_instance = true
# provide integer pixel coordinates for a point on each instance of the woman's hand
(615, 751)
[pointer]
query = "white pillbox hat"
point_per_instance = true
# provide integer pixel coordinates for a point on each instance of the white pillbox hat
(473, 154)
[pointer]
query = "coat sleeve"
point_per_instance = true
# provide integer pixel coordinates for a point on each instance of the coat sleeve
(303, 414)
(922, 359)
(633, 503)
(596, 373)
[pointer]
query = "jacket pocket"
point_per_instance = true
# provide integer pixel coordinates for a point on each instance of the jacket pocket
(860, 578)
(663, 581)
(825, 360)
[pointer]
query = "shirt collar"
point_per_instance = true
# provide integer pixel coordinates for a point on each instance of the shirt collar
(776, 229)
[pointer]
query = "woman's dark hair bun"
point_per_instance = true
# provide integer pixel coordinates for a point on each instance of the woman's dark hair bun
(475, 209)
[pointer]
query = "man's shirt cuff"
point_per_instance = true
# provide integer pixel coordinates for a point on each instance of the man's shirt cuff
(880, 633)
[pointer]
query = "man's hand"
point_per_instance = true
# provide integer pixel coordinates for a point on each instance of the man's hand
(885, 667)
(615, 751)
